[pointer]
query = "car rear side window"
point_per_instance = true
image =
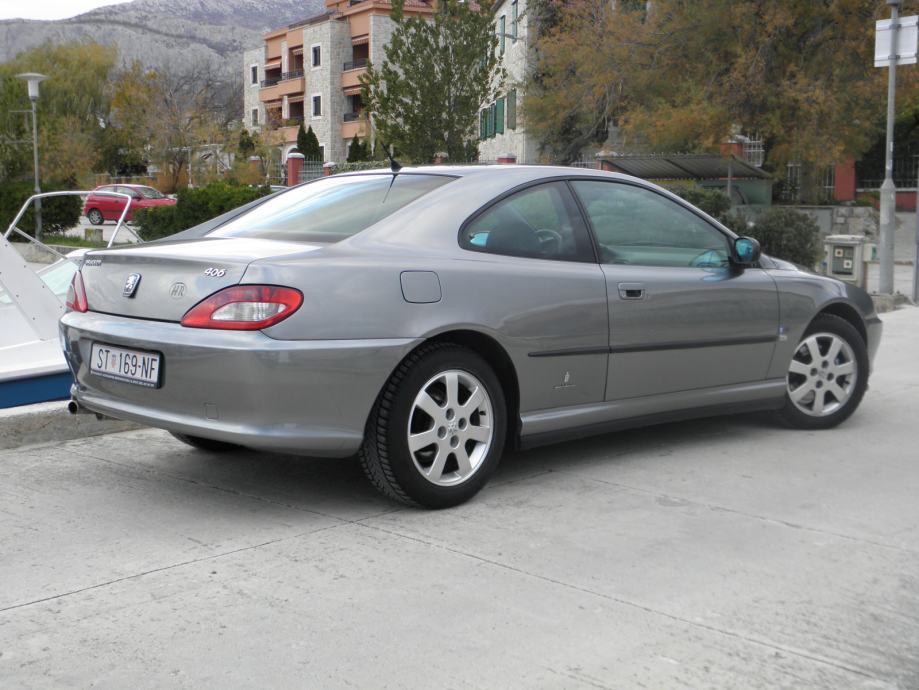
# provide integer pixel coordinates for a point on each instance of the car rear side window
(331, 209)
(539, 222)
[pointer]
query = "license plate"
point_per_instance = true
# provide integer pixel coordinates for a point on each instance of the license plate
(131, 366)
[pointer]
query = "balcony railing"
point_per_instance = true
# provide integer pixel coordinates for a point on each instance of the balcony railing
(271, 81)
(294, 74)
(351, 117)
(355, 64)
(293, 121)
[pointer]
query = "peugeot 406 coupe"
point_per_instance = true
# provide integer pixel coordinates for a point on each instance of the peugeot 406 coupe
(430, 319)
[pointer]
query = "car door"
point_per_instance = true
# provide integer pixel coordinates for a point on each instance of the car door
(121, 201)
(104, 202)
(543, 290)
(682, 316)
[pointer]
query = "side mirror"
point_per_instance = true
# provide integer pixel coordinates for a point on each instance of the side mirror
(746, 251)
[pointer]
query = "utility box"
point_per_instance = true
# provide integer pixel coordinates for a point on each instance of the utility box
(846, 258)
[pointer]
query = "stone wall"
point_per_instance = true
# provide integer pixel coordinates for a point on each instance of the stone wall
(256, 56)
(516, 60)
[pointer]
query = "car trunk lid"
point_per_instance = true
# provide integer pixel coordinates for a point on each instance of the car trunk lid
(162, 281)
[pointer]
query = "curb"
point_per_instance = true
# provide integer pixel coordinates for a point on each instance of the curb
(51, 422)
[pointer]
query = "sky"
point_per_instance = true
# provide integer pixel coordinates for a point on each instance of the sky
(49, 9)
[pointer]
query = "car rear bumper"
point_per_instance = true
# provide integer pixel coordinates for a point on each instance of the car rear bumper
(311, 396)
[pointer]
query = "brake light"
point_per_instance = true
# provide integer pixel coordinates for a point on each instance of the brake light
(76, 294)
(244, 308)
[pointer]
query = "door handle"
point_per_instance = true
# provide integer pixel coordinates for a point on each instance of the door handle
(631, 291)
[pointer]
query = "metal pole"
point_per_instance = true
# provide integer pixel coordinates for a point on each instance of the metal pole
(35, 162)
(888, 189)
(916, 258)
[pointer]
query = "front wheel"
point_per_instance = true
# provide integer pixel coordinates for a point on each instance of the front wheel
(827, 375)
(436, 433)
(95, 216)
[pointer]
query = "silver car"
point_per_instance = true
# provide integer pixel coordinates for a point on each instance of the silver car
(432, 319)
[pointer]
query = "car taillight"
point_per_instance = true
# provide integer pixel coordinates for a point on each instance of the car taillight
(76, 294)
(244, 308)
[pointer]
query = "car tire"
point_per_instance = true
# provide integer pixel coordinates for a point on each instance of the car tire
(205, 443)
(827, 376)
(437, 430)
(95, 217)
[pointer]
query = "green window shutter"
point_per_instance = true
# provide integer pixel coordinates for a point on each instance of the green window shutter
(491, 120)
(514, 21)
(501, 32)
(482, 126)
(499, 116)
(512, 109)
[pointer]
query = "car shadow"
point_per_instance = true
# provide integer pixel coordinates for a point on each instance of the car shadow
(338, 486)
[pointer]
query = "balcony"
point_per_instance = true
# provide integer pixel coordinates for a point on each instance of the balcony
(351, 78)
(357, 126)
(290, 83)
(355, 64)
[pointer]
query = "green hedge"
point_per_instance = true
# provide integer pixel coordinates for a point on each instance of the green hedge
(788, 234)
(194, 206)
(713, 201)
(57, 213)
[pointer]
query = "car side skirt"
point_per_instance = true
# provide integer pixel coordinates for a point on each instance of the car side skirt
(543, 427)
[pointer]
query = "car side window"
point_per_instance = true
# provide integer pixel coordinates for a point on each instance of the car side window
(540, 222)
(634, 225)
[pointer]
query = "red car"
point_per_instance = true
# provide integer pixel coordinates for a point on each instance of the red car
(102, 207)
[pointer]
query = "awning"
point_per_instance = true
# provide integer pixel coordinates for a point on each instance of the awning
(352, 90)
(273, 62)
(360, 40)
(297, 51)
(683, 166)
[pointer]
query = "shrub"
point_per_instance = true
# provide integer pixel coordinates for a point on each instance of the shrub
(194, 206)
(713, 201)
(57, 213)
(788, 234)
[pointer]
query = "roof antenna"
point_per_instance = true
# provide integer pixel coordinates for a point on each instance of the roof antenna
(394, 165)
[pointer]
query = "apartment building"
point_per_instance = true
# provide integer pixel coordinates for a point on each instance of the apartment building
(309, 72)
(502, 127)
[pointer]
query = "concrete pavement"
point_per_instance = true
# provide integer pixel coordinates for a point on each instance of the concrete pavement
(725, 553)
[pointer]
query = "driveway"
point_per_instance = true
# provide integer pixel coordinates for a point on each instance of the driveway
(725, 553)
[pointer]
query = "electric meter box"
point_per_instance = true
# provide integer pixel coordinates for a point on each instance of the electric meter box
(846, 257)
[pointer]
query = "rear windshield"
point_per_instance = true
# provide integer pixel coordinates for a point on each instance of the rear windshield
(331, 209)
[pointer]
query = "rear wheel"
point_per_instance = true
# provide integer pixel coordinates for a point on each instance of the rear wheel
(205, 443)
(95, 216)
(437, 431)
(827, 375)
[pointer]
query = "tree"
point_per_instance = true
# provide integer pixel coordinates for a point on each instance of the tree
(308, 144)
(246, 146)
(425, 96)
(358, 150)
(301, 139)
(73, 100)
(685, 76)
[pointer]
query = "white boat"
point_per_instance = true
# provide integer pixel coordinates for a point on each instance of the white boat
(32, 366)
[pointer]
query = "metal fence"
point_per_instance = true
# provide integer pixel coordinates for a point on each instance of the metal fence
(310, 171)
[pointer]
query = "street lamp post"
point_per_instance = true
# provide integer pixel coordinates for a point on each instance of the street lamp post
(33, 80)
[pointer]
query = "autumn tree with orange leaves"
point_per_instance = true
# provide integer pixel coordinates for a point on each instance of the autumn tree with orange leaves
(679, 75)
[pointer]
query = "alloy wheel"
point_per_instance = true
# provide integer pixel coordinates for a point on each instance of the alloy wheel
(450, 427)
(822, 375)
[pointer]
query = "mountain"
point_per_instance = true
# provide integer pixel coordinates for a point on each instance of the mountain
(166, 32)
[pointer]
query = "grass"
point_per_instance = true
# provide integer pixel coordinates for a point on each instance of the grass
(74, 242)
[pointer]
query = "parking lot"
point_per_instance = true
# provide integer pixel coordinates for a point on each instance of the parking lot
(724, 553)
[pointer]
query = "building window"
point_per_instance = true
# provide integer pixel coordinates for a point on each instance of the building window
(254, 74)
(499, 116)
(255, 117)
(317, 106)
(512, 109)
(317, 56)
(322, 152)
(514, 21)
(501, 32)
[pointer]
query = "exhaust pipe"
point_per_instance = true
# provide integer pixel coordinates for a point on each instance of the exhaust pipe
(73, 407)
